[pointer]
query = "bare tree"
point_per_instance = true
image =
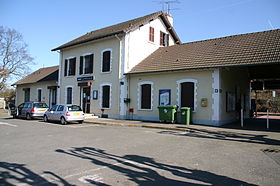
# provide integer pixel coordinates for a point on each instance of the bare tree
(14, 56)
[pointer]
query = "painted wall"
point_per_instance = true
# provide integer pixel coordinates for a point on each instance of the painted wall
(139, 47)
(33, 91)
(95, 48)
(235, 80)
(134, 48)
(170, 81)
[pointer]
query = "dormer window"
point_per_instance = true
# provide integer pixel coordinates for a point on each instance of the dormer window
(152, 34)
(164, 39)
(86, 64)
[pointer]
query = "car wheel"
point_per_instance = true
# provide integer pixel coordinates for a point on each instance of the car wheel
(46, 118)
(81, 121)
(63, 121)
(28, 117)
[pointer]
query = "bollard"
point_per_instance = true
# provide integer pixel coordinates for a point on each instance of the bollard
(241, 117)
(267, 120)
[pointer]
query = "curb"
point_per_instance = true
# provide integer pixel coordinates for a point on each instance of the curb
(137, 125)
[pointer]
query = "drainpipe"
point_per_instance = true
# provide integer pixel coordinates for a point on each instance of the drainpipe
(120, 57)
(59, 78)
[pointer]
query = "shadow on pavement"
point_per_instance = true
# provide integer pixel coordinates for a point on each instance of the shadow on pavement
(15, 174)
(225, 135)
(146, 171)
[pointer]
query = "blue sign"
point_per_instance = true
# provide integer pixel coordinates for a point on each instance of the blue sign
(164, 97)
(87, 78)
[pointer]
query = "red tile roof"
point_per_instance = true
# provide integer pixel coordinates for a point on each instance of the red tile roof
(238, 50)
(43, 74)
(120, 28)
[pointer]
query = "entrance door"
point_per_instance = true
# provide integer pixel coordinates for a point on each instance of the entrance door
(52, 97)
(187, 94)
(86, 99)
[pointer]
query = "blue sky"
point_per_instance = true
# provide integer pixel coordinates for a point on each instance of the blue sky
(46, 24)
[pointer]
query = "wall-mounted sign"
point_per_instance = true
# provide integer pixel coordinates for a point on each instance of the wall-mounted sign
(95, 94)
(164, 97)
(87, 78)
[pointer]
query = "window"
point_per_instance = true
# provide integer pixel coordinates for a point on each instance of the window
(70, 67)
(26, 94)
(39, 94)
(106, 61)
(146, 96)
(54, 108)
(152, 34)
(69, 95)
(106, 96)
(86, 64)
(164, 39)
(40, 105)
(74, 108)
(60, 108)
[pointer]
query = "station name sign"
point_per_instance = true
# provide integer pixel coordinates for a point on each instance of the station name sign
(87, 78)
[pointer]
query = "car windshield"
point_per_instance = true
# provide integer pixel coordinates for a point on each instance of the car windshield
(40, 105)
(74, 108)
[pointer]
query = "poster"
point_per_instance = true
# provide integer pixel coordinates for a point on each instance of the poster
(164, 97)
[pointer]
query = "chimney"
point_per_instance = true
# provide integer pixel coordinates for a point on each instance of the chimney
(170, 18)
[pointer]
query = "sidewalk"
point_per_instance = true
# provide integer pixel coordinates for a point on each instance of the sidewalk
(249, 125)
(134, 123)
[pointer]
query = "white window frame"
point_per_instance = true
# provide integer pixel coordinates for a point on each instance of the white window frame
(84, 66)
(37, 94)
(111, 54)
(179, 91)
(101, 95)
(139, 94)
(65, 95)
(68, 60)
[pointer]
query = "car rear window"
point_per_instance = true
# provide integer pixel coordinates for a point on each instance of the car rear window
(40, 105)
(74, 108)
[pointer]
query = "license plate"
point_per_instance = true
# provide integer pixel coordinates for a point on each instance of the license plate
(76, 113)
(41, 110)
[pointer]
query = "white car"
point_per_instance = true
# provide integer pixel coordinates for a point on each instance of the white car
(64, 113)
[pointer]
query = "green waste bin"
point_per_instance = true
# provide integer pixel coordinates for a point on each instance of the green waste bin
(167, 113)
(186, 115)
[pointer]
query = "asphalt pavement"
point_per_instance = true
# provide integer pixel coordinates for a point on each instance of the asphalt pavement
(39, 153)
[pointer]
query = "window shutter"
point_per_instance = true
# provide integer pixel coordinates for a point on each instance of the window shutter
(72, 67)
(81, 64)
(161, 38)
(65, 67)
(151, 34)
(91, 57)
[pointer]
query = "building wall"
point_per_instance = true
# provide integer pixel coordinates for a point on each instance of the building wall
(127, 51)
(139, 46)
(33, 91)
(95, 48)
(201, 115)
(134, 48)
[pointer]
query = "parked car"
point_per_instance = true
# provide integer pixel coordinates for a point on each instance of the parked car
(30, 110)
(64, 113)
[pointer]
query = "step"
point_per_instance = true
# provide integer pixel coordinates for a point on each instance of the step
(90, 116)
